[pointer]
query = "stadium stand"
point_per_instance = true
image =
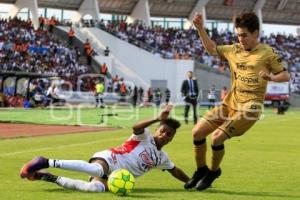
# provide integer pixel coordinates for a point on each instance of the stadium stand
(28, 50)
(185, 44)
(24, 49)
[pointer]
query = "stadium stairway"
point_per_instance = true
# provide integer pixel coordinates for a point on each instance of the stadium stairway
(139, 66)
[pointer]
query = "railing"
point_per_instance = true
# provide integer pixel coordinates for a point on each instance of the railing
(88, 97)
(131, 40)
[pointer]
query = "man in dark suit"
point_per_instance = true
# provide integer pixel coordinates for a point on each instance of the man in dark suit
(190, 91)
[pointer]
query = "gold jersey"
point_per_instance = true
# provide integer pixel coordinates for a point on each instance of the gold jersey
(247, 87)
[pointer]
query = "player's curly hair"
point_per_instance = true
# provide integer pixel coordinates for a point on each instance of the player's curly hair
(173, 123)
(247, 20)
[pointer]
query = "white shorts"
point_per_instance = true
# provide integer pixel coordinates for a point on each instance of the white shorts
(109, 158)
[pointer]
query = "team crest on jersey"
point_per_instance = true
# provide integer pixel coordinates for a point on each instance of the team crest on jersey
(279, 60)
(146, 158)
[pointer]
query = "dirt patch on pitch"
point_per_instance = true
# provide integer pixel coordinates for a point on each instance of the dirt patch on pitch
(11, 130)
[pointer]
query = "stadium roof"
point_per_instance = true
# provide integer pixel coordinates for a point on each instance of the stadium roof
(273, 11)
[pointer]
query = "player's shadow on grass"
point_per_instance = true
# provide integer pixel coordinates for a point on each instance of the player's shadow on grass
(63, 191)
(158, 190)
(151, 192)
(60, 190)
(254, 194)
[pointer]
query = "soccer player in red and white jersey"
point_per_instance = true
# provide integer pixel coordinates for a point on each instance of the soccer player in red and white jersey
(140, 153)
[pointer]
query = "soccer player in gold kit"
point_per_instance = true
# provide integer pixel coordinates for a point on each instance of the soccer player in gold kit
(252, 65)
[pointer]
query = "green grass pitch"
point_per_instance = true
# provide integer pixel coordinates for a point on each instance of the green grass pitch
(264, 164)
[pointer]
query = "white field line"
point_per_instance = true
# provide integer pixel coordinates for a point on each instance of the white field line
(60, 147)
(277, 119)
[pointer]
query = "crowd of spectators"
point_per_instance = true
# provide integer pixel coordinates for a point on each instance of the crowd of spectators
(289, 49)
(171, 43)
(36, 51)
(24, 49)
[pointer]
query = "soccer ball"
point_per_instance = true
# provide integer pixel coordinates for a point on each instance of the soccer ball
(120, 182)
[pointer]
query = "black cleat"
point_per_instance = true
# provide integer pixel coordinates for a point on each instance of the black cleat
(198, 175)
(208, 179)
(45, 176)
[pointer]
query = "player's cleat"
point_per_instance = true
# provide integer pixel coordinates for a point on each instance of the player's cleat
(208, 179)
(198, 175)
(32, 166)
(45, 176)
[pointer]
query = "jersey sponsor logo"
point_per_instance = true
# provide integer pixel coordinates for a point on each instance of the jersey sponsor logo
(146, 159)
(242, 66)
(127, 147)
(246, 79)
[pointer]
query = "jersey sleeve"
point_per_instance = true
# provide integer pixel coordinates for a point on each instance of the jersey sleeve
(223, 50)
(140, 137)
(166, 163)
(275, 63)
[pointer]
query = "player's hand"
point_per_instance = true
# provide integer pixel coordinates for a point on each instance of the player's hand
(265, 75)
(198, 21)
(165, 113)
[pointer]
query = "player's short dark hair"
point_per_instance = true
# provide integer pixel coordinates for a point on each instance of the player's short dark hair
(172, 123)
(247, 20)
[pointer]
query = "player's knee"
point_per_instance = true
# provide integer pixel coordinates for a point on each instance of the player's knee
(198, 133)
(218, 138)
(201, 130)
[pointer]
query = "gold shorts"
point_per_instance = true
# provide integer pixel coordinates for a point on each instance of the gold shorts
(232, 122)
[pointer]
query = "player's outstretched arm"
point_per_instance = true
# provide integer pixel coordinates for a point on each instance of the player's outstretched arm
(283, 76)
(209, 45)
(179, 174)
(139, 127)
